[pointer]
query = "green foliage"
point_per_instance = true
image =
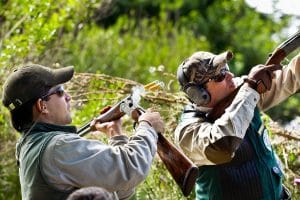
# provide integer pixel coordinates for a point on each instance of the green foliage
(134, 54)
(9, 183)
(288, 110)
(225, 24)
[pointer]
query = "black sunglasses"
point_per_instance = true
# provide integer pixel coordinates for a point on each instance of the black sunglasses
(59, 90)
(220, 77)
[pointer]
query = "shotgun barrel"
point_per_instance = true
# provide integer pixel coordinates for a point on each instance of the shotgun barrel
(181, 168)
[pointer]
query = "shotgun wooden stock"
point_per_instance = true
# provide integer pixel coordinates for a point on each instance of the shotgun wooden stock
(276, 57)
(182, 169)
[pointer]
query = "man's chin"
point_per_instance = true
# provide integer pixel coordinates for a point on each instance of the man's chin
(68, 120)
(231, 89)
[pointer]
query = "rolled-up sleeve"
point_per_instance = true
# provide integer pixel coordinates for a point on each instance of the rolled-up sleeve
(214, 143)
(285, 84)
(71, 161)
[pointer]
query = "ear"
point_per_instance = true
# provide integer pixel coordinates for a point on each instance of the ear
(40, 106)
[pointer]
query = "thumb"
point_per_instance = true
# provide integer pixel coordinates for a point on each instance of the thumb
(273, 67)
(101, 126)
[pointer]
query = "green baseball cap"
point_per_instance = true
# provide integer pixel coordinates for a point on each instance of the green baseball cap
(31, 82)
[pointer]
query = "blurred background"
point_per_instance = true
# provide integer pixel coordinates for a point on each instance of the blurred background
(123, 42)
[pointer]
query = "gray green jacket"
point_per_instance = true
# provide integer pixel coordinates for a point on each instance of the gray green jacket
(53, 161)
(213, 144)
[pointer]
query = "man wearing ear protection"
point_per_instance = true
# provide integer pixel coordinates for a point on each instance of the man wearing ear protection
(53, 160)
(234, 154)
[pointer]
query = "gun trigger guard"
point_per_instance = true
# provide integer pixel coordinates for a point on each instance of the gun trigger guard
(134, 125)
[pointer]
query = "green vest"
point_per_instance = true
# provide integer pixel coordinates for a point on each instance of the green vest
(30, 151)
(253, 174)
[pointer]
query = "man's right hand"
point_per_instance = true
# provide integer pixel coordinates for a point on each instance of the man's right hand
(110, 129)
(260, 77)
(154, 119)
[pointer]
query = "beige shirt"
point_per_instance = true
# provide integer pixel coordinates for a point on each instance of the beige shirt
(215, 143)
(70, 161)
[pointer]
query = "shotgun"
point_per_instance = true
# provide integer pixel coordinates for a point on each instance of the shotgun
(284, 49)
(182, 169)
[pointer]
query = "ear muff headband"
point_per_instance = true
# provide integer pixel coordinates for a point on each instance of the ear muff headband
(181, 76)
(195, 93)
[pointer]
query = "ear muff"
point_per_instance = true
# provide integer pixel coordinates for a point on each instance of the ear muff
(181, 76)
(195, 93)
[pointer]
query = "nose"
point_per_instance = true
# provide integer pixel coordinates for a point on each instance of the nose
(229, 75)
(67, 97)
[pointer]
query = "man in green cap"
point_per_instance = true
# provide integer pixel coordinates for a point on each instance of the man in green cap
(53, 160)
(234, 154)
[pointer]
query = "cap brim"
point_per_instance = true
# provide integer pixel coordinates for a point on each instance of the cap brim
(222, 58)
(62, 75)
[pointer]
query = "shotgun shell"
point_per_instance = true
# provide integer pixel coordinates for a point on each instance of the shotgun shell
(151, 84)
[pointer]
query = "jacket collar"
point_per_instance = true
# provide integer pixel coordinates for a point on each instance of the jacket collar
(46, 127)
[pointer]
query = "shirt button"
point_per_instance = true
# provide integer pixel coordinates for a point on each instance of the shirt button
(275, 170)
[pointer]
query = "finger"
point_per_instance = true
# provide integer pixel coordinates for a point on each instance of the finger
(261, 87)
(269, 84)
(93, 122)
(117, 121)
(101, 126)
(268, 81)
(92, 125)
(260, 66)
(257, 67)
(273, 67)
(150, 110)
(271, 74)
